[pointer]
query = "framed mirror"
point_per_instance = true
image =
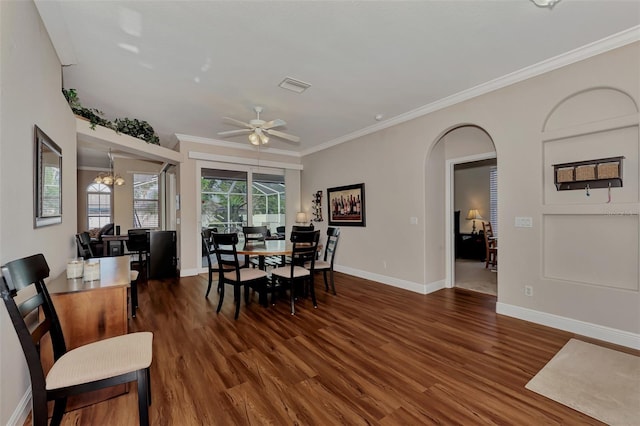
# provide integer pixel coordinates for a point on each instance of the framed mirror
(47, 181)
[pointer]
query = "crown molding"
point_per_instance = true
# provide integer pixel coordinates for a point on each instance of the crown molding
(235, 145)
(614, 41)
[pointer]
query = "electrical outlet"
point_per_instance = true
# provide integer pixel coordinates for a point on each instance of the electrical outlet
(528, 290)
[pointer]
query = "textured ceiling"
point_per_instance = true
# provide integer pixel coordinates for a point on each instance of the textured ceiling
(184, 65)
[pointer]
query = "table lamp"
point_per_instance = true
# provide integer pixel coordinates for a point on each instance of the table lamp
(473, 215)
(301, 217)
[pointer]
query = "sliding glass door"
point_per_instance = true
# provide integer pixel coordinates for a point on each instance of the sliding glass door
(223, 196)
(225, 201)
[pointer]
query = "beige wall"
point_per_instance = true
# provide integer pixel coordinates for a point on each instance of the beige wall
(30, 86)
(403, 168)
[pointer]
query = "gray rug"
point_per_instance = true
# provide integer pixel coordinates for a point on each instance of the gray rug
(599, 382)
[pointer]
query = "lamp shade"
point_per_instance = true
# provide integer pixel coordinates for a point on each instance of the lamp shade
(301, 217)
(473, 214)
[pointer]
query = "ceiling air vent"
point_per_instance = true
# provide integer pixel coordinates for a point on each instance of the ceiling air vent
(294, 85)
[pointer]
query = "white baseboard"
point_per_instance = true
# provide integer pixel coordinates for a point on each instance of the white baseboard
(189, 272)
(607, 334)
(23, 409)
(395, 282)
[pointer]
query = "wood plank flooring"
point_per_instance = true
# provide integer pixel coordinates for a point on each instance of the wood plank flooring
(372, 355)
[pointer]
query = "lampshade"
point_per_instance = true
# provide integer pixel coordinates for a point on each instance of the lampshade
(473, 214)
(301, 217)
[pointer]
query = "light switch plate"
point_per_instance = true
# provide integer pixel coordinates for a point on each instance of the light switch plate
(524, 222)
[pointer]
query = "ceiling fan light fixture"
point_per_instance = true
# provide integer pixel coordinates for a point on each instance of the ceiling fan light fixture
(253, 138)
(545, 3)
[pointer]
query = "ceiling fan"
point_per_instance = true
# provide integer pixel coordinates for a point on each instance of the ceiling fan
(258, 130)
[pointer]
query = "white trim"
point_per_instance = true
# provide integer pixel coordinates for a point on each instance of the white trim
(607, 334)
(394, 282)
(235, 145)
(449, 244)
(195, 155)
(614, 41)
(23, 409)
(189, 272)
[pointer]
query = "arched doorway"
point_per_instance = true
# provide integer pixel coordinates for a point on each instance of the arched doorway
(463, 150)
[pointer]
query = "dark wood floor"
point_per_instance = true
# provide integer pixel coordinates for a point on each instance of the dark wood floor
(373, 354)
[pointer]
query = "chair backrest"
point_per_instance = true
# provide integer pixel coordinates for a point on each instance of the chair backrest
(83, 241)
(281, 229)
(18, 275)
(333, 235)
(489, 243)
(299, 228)
(226, 253)
(304, 250)
(206, 245)
(254, 234)
(139, 240)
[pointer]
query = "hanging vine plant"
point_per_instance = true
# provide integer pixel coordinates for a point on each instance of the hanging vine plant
(139, 129)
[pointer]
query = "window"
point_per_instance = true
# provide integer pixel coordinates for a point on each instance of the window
(225, 201)
(493, 199)
(146, 204)
(98, 205)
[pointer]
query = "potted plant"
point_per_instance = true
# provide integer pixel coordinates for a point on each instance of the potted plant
(139, 129)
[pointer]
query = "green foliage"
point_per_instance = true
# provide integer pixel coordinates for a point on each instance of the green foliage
(139, 129)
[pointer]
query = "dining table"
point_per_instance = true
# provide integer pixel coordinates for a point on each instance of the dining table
(267, 248)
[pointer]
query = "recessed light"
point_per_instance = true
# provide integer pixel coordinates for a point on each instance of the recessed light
(294, 85)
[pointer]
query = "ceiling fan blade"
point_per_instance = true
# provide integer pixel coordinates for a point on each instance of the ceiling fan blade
(283, 135)
(274, 123)
(237, 122)
(234, 132)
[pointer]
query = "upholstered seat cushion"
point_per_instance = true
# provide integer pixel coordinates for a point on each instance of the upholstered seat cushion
(246, 274)
(320, 264)
(101, 360)
(285, 272)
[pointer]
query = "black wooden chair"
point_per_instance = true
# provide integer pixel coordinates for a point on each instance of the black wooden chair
(326, 264)
(230, 271)
(254, 235)
(305, 246)
(138, 243)
(94, 366)
(83, 242)
(209, 252)
(300, 228)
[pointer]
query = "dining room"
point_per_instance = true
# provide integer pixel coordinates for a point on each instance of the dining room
(576, 101)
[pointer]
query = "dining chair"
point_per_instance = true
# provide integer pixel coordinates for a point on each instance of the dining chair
(209, 253)
(230, 271)
(254, 235)
(94, 366)
(300, 228)
(83, 242)
(491, 246)
(138, 243)
(305, 246)
(326, 264)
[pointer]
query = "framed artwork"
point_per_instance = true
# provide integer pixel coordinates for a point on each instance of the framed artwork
(47, 181)
(346, 205)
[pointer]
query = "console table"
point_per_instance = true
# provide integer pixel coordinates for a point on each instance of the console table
(90, 311)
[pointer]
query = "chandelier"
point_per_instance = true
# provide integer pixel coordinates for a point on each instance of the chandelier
(109, 178)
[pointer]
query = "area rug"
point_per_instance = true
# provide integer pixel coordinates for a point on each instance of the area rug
(599, 382)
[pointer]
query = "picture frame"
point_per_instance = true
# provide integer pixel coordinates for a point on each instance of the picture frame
(346, 205)
(47, 180)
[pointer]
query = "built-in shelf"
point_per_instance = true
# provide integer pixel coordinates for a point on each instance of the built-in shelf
(600, 173)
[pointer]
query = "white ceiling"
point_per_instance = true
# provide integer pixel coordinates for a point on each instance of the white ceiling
(184, 65)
